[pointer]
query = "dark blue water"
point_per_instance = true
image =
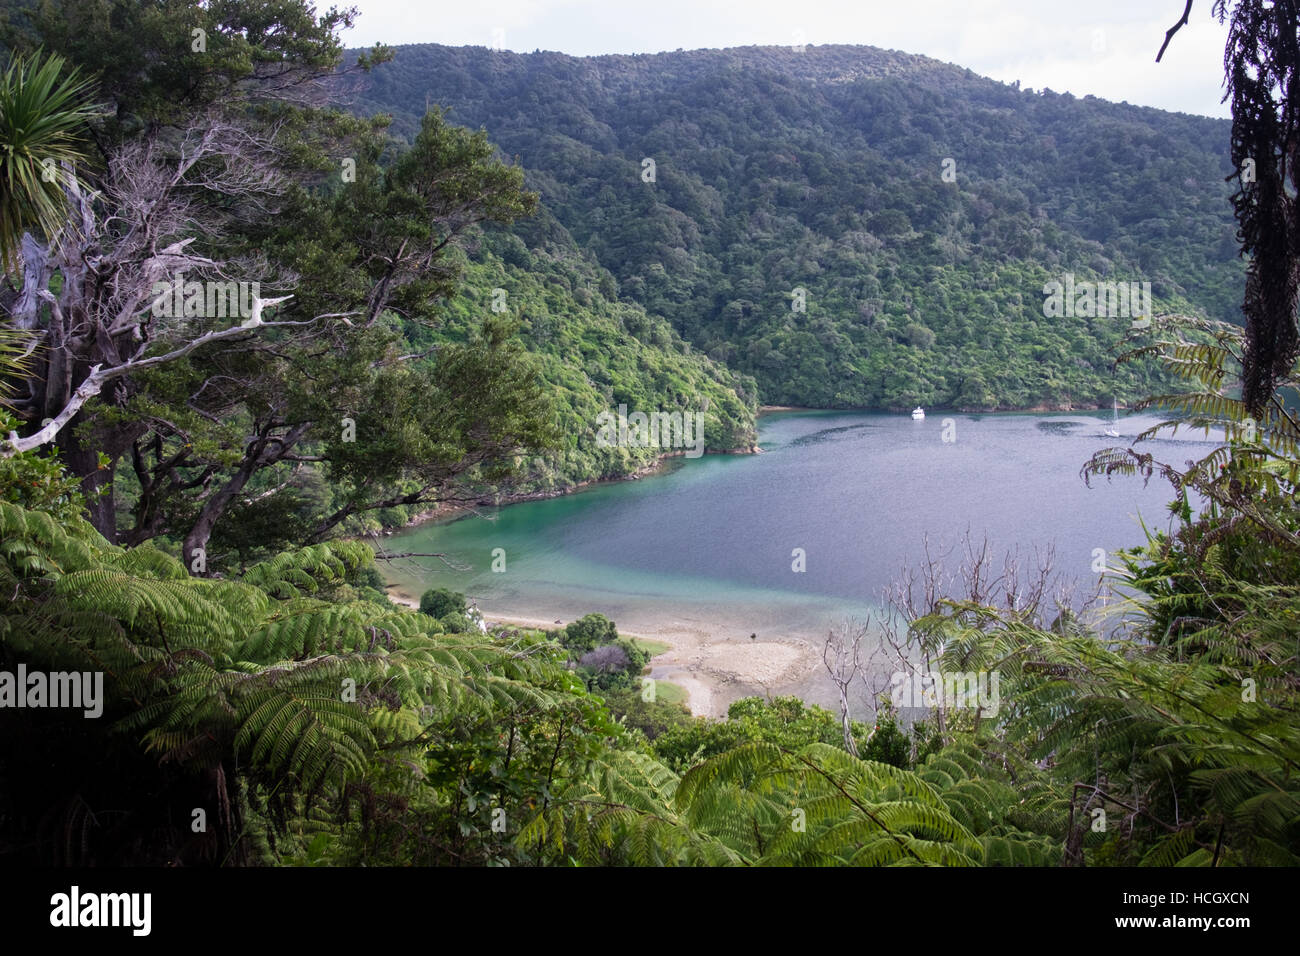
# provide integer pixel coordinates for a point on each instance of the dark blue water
(710, 543)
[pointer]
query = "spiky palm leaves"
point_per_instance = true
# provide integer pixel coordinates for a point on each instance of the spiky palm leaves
(620, 810)
(1225, 583)
(820, 806)
(1171, 738)
(42, 115)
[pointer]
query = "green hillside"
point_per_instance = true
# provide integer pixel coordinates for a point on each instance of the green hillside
(777, 170)
(594, 353)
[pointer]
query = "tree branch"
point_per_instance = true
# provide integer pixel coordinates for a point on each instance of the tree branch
(1169, 34)
(100, 376)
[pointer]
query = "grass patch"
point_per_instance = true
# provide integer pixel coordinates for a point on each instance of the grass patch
(666, 692)
(654, 647)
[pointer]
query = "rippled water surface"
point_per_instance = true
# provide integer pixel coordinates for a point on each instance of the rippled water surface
(710, 542)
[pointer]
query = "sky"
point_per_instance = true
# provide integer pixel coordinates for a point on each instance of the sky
(1106, 48)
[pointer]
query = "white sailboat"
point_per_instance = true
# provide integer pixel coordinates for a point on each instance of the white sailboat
(1112, 432)
(918, 413)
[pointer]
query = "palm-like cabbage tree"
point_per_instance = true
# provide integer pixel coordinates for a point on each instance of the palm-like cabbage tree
(43, 110)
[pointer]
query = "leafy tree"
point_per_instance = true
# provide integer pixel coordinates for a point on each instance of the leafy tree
(888, 743)
(239, 423)
(650, 717)
(147, 66)
(438, 602)
(588, 632)
(456, 623)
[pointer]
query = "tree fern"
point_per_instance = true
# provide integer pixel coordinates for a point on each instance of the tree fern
(251, 673)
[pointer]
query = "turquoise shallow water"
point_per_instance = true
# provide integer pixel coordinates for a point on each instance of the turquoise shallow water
(708, 544)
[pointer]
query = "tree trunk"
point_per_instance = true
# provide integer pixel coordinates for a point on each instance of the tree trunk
(256, 457)
(81, 457)
(846, 724)
(196, 539)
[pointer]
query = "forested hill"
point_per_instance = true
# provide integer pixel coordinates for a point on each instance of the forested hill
(776, 170)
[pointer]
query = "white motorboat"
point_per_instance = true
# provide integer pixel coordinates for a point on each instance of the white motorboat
(918, 413)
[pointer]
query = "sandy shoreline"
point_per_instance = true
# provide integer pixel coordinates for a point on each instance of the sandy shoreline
(713, 670)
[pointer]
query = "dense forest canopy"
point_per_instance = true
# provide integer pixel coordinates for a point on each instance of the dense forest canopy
(920, 208)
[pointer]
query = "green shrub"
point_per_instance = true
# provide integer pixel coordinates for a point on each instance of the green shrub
(439, 602)
(588, 633)
(457, 623)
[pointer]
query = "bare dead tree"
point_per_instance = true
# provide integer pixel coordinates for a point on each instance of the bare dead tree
(1027, 589)
(840, 654)
(382, 554)
(96, 325)
(878, 663)
(606, 659)
(916, 593)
